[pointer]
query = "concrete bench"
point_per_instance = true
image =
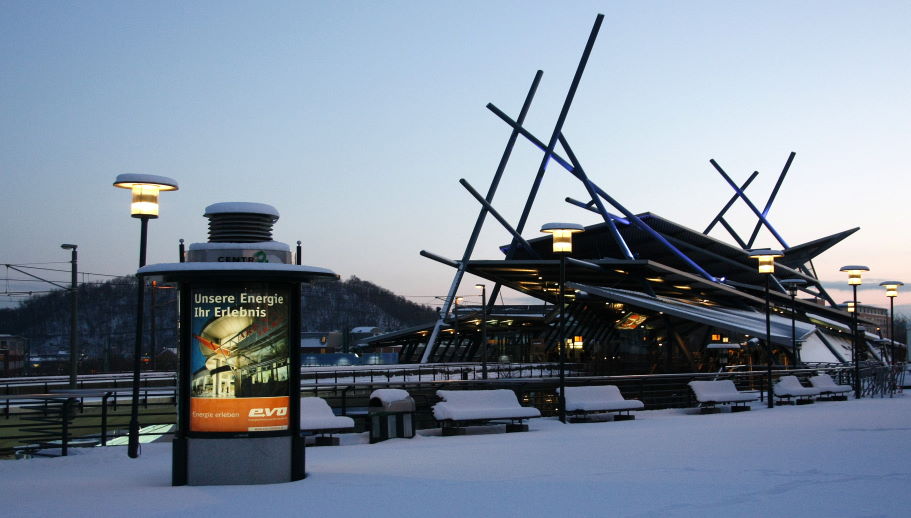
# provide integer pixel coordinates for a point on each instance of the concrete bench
(600, 399)
(829, 389)
(317, 417)
(789, 387)
(461, 408)
(720, 392)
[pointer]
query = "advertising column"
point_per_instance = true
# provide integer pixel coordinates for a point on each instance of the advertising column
(239, 359)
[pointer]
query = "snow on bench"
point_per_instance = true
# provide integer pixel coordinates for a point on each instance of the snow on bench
(789, 387)
(463, 407)
(600, 399)
(829, 388)
(317, 417)
(711, 393)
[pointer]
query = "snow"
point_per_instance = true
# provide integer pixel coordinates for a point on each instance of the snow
(259, 245)
(790, 386)
(825, 383)
(720, 391)
(829, 459)
(597, 398)
(316, 414)
(241, 207)
(245, 267)
(390, 395)
(462, 405)
(127, 180)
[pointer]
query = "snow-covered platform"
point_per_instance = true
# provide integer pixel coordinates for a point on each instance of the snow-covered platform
(845, 459)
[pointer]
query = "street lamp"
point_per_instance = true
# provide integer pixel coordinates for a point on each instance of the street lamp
(74, 338)
(766, 258)
(854, 280)
(892, 292)
(792, 285)
(483, 288)
(144, 205)
(563, 245)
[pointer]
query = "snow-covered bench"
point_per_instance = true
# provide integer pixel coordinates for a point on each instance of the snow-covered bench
(720, 392)
(789, 387)
(317, 417)
(829, 389)
(461, 408)
(582, 401)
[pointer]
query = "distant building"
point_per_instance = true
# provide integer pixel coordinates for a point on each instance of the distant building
(879, 316)
(320, 342)
(12, 355)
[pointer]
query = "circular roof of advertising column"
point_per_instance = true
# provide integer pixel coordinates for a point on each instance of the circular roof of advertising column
(241, 207)
(240, 271)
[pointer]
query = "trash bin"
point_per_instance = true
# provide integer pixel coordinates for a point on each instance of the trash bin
(391, 415)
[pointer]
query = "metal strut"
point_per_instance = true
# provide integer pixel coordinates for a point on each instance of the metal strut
(549, 149)
(469, 248)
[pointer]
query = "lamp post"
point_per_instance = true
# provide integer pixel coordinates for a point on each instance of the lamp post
(455, 326)
(892, 292)
(766, 258)
(854, 280)
(74, 301)
(792, 285)
(483, 288)
(562, 245)
(144, 205)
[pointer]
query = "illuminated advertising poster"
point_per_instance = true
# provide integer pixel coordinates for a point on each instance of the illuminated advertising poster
(239, 358)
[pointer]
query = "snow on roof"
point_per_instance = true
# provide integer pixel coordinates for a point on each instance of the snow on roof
(127, 180)
(260, 245)
(741, 321)
(240, 267)
(241, 207)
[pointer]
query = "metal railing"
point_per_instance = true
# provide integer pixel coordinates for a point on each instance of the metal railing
(47, 422)
(50, 424)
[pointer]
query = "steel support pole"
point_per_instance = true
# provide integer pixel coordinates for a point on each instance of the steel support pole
(768, 342)
(74, 321)
(483, 331)
(794, 347)
(562, 301)
(479, 223)
(855, 349)
(153, 335)
(549, 149)
(893, 381)
(133, 443)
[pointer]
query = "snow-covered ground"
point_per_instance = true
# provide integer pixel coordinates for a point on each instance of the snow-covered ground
(829, 459)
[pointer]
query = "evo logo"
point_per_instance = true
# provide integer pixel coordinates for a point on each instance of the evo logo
(268, 412)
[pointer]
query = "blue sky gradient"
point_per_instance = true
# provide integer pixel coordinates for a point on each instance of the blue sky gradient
(356, 120)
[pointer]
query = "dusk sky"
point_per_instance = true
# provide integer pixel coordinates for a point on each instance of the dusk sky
(357, 119)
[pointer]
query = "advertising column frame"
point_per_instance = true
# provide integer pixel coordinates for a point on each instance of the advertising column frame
(256, 456)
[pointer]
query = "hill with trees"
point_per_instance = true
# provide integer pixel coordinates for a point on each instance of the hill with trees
(107, 312)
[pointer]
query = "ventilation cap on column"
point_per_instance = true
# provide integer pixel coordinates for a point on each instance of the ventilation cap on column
(240, 222)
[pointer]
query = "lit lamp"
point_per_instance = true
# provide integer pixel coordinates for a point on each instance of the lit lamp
(144, 205)
(766, 258)
(483, 288)
(562, 245)
(854, 280)
(792, 285)
(892, 292)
